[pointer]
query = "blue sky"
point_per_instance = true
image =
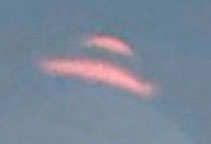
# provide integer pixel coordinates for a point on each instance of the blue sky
(171, 39)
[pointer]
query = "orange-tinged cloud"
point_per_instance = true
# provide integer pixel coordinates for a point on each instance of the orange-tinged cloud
(110, 43)
(99, 71)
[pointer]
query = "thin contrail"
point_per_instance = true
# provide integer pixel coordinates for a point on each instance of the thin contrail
(110, 43)
(99, 71)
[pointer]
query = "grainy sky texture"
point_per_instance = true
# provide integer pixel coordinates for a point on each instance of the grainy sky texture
(171, 40)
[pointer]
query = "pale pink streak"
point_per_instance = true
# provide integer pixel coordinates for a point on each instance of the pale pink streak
(110, 43)
(98, 71)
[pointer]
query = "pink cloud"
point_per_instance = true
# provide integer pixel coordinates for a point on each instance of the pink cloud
(99, 71)
(110, 43)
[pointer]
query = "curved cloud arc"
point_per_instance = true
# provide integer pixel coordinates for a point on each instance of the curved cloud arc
(99, 71)
(109, 43)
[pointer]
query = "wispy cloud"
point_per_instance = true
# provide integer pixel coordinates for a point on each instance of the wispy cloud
(99, 71)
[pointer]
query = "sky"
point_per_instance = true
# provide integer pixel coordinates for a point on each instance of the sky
(171, 41)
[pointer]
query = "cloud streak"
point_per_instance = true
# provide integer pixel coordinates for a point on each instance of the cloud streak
(99, 71)
(109, 43)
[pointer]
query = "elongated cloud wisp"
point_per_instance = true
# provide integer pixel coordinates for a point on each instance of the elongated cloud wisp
(99, 71)
(109, 43)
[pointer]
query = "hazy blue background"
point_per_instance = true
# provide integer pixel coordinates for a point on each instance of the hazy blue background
(171, 39)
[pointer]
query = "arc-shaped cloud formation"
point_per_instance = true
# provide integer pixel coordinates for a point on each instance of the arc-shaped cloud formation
(110, 43)
(99, 71)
